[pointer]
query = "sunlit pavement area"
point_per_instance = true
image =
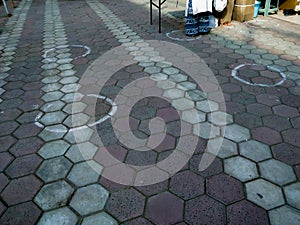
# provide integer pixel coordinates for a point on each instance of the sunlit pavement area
(54, 122)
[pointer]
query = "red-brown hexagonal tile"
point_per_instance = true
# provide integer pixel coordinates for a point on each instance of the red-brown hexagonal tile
(21, 190)
(126, 204)
(291, 136)
(187, 185)
(164, 208)
(204, 210)
(25, 213)
(286, 153)
(225, 188)
(245, 212)
(285, 111)
(266, 135)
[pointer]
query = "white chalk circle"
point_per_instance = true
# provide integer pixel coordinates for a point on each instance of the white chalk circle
(171, 36)
(61, 130)
(234, 73)
(88, 51)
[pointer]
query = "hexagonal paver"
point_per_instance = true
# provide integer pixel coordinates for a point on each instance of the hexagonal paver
(245, 212)
(53, 118)
(292, 194)
(138, 221)
(100, 218)
(266, 135)
(224, 188)
(187, 185)
(5, 159)
(204, 210)
(85, 173)
(89, 199)
(284, 215)
(255, 150)
(21, 190)
(25, 213)
(173, 93)
(164, 208)
(24, 165)
(54, 169)
(277, 172)
(240, 168)
(237, 133)
(54, 195)
(125, 204)
(54, 148)
(81, 152)
(183, 104)
(285, 111)
(264, 194)
(286, 153)
(59, 216)
(291, 136)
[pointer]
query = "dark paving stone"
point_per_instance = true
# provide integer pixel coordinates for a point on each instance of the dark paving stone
(266, 135)
(267, 99)
(253, 89)
(30, 105)
(110, 185)
(169, 143)
(11, 104)
(296, 122)
(204, 210)
(26, 146)
(154, 188)
(21, 190)
(24, 165)
(138, 221)
(2, 208)
(12, 85)
(5, 160)
(143, 113)
(245, 212)
(6, 142)
(214, 168)
(187, 185)
(12, 94)
(234, 108)
(25, 214)
(291, 136)
(277, 91)
(10, 114)
(3, 181)
(225, 188)
(276, 122)
(33, 86)
(168, 114)
(27, 117)
(126, 204)
(243, 98)
(231, 88)
(286, 153)
(297, 170)
(117, 151)
(291, 100)
(164, 209)
(8, 127)
(285, 111)
(31, 95)
(259, 109)
(27, 130)
(248, 120)
(141, 158)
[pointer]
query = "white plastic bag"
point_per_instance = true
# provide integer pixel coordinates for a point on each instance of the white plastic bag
(220, 5)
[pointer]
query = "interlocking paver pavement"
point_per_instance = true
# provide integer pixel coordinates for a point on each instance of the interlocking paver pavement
(50, 156)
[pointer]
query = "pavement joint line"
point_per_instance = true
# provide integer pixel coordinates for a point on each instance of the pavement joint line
(10, 39)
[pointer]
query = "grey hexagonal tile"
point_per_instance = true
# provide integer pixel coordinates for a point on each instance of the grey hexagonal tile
(277, 172)
(284, 215)
(237, 133)
(264, 194)
(53, 149)
(54, 195)
(58, 216)
(255, 150)
(89, 199)
(100, 218)
(292, 194)
(85, 173)
(54, 169)
(241, 168)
